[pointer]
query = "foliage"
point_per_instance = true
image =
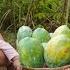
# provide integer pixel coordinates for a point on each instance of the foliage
(49, 9)
(31, 12)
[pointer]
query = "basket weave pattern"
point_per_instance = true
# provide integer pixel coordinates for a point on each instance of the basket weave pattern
(67, 67)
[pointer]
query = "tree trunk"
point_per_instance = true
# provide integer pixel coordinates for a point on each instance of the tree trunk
(65, 12)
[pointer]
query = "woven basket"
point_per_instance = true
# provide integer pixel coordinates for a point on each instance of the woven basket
(67, 67)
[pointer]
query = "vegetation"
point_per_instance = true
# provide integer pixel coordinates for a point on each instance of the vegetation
(32, 13)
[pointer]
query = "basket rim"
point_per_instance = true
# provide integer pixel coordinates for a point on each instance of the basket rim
(57, 68)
